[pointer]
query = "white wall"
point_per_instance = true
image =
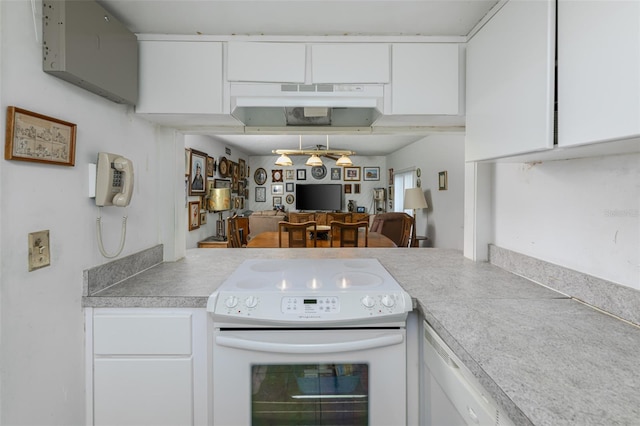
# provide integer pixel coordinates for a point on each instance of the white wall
(583, 214)
(363, 199)
(443, 221)
(42, 347)
(215, 148)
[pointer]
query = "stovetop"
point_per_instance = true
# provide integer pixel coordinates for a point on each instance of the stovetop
(349, 292)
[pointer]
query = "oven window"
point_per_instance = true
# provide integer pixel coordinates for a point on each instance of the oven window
(309, 394)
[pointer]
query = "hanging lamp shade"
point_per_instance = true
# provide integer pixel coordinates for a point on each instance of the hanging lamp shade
(344, 161)
(284, 160)
(314, 160)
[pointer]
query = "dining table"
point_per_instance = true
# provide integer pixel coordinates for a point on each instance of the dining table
(269, 239)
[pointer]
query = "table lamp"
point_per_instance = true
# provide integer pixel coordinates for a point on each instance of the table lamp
(414, 199)
(219, 200)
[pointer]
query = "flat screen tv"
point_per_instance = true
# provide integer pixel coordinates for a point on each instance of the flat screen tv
(327, 196)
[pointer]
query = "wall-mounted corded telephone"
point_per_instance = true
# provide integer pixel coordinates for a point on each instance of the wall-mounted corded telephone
(114, 180)
(114, 187)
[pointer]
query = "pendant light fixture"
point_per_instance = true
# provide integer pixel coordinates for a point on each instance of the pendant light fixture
(315, 154)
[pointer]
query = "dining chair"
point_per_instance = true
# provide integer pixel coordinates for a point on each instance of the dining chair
(298, 233)
(338, 217)
(301, 217)
(397, 226)
(235, 240)
(347, 233)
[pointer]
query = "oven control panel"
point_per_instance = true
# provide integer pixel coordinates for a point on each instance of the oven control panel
(310, 305)
(309, 308)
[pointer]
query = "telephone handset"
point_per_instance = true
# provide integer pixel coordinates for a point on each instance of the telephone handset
(114, 180)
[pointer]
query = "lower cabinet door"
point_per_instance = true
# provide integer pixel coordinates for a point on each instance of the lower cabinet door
(143, 391)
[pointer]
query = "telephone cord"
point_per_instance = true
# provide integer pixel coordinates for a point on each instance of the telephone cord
(123, 237)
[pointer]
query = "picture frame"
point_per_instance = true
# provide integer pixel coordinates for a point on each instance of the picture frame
(360, 209)
(390, 176)
(371, 173)
(352, 173)
(289, 174)
(336, 173)
(277, 189)
(290, 198)
(301, 174)
(356, 188)
(38, 138)
(261, 194)
(260, 176)
(442, 181)
(210, 166)
(196, 176)
(187, 162)
(222, 183)
(203, 218)
(242, 168)
(289, 187)
(276, 175)
(194, 215)
(347, 188)
(277, 201)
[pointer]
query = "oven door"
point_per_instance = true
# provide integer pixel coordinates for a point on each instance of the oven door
(309, 377)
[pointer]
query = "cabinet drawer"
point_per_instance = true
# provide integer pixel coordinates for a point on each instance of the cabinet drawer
(142, 334)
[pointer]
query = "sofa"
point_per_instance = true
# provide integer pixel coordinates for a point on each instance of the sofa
(264, 221)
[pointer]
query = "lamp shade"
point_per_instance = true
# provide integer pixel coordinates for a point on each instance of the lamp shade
(284, 160)
(344, 161)
(414, 199)
(314, 160)
(219, 199)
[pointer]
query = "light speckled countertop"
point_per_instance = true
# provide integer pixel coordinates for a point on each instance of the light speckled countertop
(545, 358)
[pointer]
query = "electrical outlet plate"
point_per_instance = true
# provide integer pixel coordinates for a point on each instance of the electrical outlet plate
(39, 250)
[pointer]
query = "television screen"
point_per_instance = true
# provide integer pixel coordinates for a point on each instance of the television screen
(319, 197)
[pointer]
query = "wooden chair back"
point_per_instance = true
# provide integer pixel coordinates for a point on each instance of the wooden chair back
(397, 226)
(338, 217)
(298, 233)
(301, 217)
(235, 241)
(346, 234)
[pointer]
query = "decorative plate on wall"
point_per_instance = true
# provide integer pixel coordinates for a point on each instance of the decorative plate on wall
(319, 172)
(260, 176)
(223, 167)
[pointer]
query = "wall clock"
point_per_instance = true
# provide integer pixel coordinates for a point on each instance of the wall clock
(319, 172)
(260, 176)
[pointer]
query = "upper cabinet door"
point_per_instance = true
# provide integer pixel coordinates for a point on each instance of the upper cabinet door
(180, 77)
(425, 79)
(350, 63)
(598, 71)
(266, 62)
(510, 82)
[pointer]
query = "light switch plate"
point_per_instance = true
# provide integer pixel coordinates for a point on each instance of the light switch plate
(39, 250)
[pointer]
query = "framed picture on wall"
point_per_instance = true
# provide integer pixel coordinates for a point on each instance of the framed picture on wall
(301, 174)
(277, 189)
(442, 181)
(194, 215)
(351, 173)
(289, 174)
(211, 166)
(261, 194)
(336, 173)
(371, 173)
(198, 169)
(277, 201)
(289, 186)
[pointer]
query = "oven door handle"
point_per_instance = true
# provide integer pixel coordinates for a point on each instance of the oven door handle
(310, 348)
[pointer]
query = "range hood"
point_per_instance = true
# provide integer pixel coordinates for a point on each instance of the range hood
(268, 105)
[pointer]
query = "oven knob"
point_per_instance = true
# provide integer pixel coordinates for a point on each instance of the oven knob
(251, 301)
(368, 301)
(231, 302)
(388, 301)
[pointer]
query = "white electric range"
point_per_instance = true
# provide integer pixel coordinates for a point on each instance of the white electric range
(309, 342)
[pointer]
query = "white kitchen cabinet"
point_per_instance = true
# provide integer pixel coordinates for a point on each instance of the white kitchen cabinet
(266, 62)
(510, 82)
(180, 77)
(425, 78)
(598, 71)
(147, 366)
(350, 63)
